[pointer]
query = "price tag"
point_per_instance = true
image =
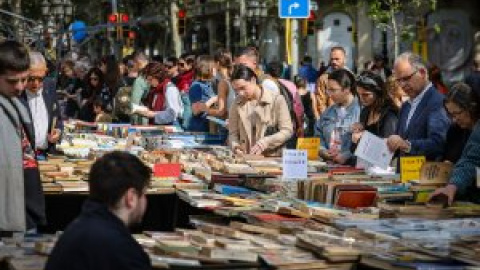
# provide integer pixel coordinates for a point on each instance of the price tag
(410, 168)
(295, 164)
(167, 170)
(312, 145)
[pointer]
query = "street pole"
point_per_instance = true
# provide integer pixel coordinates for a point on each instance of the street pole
(295, 42)
(243, 23)
(115, 44)
(227, 27)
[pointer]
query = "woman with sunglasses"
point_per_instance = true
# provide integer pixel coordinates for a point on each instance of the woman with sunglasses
(94, 84)
(462, 104)
(379, 115)
(260, 123)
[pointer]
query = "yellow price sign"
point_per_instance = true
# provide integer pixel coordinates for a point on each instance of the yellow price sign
(312, 145)
(410, 168)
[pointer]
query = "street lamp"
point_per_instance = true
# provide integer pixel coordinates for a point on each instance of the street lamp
(256, 11)
(60, 12)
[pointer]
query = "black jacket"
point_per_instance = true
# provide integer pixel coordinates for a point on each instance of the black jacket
(51, 103)
(97, 239)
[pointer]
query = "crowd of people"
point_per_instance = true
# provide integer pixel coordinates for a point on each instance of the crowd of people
(263, 111)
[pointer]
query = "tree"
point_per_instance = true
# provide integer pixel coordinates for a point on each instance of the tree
(385, 14)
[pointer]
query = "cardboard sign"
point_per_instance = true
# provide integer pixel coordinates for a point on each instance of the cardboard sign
(312, 145)
(167, 170)
(435, 172)
(410, 168)
(295, 164)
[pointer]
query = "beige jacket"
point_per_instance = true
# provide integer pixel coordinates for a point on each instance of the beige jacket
(271, 110)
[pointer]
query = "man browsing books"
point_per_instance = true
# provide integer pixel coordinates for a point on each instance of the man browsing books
(99, 238)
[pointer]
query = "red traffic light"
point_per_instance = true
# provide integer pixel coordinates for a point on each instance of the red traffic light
(125, 18)
(312, 16)
(182, 14)
(132, 35)
(113, 18)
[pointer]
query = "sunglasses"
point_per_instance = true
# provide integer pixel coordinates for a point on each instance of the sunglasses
(364, 80)
(36, 78)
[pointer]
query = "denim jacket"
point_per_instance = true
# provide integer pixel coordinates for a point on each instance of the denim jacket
(330, 120)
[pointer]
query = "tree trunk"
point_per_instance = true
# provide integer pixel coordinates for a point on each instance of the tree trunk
(396, 38)
(177, 41)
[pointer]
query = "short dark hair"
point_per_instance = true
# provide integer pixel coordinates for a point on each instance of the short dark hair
(171, 59)
(464, 97)
(113, 174)
(344, 78)
(307, 60)
(242, 72)
(247, 51)
(13, 57)
(299, 81)
(275, 69)
(338, 48)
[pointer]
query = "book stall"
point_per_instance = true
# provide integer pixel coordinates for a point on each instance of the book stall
(209, 209)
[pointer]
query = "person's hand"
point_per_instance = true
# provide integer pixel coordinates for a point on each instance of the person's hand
(333, 152)
(395, 142)
(257, 149)
(54, 136)
(356, 136)
(238, 150)
(357, 127)
(226, 123)
(199, 107)
(339, 159)
(449, 191)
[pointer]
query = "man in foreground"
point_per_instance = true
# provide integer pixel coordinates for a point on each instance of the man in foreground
(99, 238)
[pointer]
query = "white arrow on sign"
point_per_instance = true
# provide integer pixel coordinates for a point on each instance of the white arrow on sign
(295, 5)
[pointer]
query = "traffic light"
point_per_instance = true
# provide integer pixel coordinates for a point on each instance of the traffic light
(311, 24)
(121, 29)
(182, 22)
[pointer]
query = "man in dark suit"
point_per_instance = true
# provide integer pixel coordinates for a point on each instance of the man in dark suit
(423, 121)
(41, 100)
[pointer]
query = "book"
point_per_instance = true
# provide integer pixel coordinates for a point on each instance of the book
(229, 254)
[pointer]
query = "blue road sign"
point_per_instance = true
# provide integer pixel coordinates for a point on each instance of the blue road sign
(294, 8)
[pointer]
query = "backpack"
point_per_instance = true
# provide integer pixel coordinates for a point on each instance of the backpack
(283, 90)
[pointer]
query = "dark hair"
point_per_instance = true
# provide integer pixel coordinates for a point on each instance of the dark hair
(94, 91)
(344, 78)
(224, 58)
(464, 97)
(99, 103)
(275, 69)
(243, 72)
(156, 70)
(307, 60)
(172, 59)
(113, 174)
(372, 82)
(299, 81)
(139, 56)
(247, 51)
(13, 57)
(112, 75)
(188, 58)
(157, 58)
(338, 48)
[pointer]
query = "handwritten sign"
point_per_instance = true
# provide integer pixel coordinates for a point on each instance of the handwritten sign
(167, 170)
(410, 168)
(312, 145)
(295, 164)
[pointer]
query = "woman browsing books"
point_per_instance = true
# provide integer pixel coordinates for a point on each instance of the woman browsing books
(260, 123)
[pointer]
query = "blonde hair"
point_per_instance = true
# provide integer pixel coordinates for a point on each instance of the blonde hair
(204, 67)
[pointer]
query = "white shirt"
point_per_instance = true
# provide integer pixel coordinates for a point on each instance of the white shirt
(414, 103)
(173, 108)
(270, 85)
(39, 117)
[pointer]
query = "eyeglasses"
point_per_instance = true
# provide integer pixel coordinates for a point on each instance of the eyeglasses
(332, 91)
(14, 81)
(180, 64)
(169, 66)
(364, 80)
(405, 79)
(455, 115)
(35, 78)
